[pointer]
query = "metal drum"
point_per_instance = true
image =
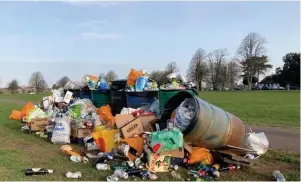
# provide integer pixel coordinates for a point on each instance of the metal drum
(211, 126)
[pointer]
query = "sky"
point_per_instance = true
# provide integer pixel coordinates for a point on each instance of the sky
(77, 38)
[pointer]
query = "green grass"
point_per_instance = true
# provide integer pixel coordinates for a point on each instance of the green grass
(24, 97)
(20, 150)
(274, 108)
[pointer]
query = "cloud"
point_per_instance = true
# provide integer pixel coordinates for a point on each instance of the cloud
(94, 24)
(99, 36)
(91, 3)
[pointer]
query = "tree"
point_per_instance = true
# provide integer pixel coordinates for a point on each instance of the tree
(245, 80)
(291, 69)
(13, 86)
(54, 87)
(158, 76)
(233, 72)
(171, 67)
(262, 65)
(251, 48)
(110, 76)
(62, 82)
(198, 69)
(37, 81)
(224, 75)
(216, 59)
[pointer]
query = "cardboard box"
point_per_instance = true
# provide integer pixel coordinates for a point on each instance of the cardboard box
(158, 162)
(80, 132)
(38, 124)
(146, 121)
(133, 128)
(177, 153)
(123, 119)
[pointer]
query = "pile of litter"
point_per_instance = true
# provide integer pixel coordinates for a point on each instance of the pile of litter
(138, 142)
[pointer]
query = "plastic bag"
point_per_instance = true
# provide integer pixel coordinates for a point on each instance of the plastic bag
(166, 140)
(141, 83)
(26, 109)
(102, 84)
(91, 81)
(257, 142)
(155, 107)
(15, 115)
(200, 155)
(132, 77)
(61, 132)
(36, 113)
(105, 114)
(184, 114)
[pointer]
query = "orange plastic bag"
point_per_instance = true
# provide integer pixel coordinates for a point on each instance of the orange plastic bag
(26, 109)
(200, 155)
(105, 114)
(136, 143)
(133, 75)
(15, 115)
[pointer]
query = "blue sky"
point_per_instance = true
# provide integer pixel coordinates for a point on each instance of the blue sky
(78, 38)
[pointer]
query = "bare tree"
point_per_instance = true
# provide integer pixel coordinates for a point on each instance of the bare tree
(111, 76)
(62, 82)
(37, 81)
(171, 67)
(198, 70)
(158, 76)
(233, 72)
(251, 47)
(13, 86)
(216, 59)
(224, 75)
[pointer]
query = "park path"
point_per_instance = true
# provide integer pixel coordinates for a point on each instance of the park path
(287, 139)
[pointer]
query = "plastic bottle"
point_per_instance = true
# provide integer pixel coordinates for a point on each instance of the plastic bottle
(278, 176)
(176, 175)
(230, 168)
(73, 175)
(37, 171)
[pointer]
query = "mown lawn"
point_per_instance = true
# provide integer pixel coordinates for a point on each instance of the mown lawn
(20, 150)
(274, 108)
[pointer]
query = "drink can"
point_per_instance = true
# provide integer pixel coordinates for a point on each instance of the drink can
(112, 178)
(121, 174)
(103, 167)
(152, 176)
(175, 167)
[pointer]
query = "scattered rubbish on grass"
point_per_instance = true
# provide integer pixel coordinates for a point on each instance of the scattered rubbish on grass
(37, 171)
(278, 176)
(135, 130)
(73, 175)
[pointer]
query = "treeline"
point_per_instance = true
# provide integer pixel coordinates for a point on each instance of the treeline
(216, 68)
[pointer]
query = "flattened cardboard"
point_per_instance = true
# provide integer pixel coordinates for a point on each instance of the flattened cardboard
(133, 128)
(123, 119)
(38, 124)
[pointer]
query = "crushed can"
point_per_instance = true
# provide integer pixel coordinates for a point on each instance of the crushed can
(102, 167)
(121, 174)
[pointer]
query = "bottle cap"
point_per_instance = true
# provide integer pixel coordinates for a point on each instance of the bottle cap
(50, 171)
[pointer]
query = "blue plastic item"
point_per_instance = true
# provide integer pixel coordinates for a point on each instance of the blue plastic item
(103, 85)
(141, 83)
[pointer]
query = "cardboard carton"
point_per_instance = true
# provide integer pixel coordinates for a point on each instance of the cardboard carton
(38, 124)
(123, 119)
(80, 132)
(146, 121)
(158, 162)
(133, 128)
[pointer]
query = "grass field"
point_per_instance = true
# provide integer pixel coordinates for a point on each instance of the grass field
(21, 150)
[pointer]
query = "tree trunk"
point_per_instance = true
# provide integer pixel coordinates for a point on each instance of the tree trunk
(250, 83)
(200, 86)
(197, 86)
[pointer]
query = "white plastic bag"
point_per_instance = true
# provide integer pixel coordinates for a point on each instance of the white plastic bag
(61, 132)
(257, 142)
(184, 114)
